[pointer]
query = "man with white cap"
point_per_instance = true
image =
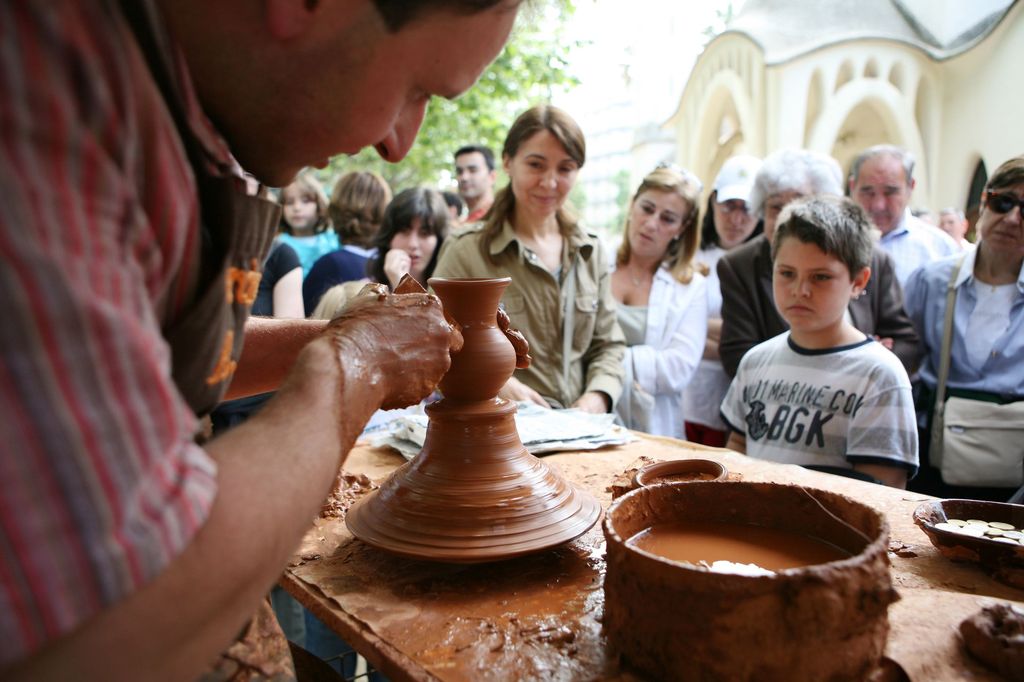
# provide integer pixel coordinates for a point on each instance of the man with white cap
(734, 221)
(728, 222)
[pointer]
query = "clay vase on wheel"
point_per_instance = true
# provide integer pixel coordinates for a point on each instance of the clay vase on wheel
(473, 493)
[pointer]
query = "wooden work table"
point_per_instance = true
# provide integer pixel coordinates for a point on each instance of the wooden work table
(538, 617)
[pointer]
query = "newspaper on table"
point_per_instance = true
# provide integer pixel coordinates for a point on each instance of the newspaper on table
(541, 430)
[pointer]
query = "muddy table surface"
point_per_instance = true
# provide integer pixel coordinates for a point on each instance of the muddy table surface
(538, 617)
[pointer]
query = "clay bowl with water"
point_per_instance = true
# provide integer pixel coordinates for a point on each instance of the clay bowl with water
(679, 471)
(1004, 560)
(826, 618)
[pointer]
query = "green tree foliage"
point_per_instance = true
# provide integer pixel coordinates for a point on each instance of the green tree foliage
(531, 69)
(623, 195)
(723, 17)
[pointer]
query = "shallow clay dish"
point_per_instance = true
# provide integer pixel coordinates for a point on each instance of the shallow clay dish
(1005, 561)
(680, 471)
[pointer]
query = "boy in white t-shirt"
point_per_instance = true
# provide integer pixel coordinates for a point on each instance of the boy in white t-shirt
(823, 393)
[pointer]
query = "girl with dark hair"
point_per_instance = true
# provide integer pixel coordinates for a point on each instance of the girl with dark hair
(410, 238)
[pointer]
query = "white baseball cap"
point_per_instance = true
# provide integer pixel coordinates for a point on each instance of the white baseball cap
(736, 178)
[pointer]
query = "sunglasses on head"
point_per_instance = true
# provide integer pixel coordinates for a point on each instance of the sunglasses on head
(1004, 203)
(687, 175)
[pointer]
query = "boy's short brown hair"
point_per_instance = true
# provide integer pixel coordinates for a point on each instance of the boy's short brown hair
(836, 225)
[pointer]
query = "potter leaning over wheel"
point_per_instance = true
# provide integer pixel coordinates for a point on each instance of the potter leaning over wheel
(130, 258)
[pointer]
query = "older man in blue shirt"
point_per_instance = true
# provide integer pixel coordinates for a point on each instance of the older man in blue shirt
(881, 181)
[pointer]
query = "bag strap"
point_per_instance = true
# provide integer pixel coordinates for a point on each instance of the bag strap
(935, 447)
(568, 321)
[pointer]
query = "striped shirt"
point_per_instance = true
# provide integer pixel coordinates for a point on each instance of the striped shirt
(101, 484)
(833, 407)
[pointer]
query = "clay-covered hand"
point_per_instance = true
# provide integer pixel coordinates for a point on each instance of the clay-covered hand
(398, 344)
(518, 391)
(396, 264)
(594, 402)
(374, 289)
(519, 343)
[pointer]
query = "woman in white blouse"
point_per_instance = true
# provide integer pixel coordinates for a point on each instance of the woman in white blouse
(662, 301)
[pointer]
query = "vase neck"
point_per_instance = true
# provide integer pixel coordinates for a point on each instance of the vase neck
(471, 301)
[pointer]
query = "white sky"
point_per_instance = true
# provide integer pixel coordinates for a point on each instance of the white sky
(657, 40)
(656, 43)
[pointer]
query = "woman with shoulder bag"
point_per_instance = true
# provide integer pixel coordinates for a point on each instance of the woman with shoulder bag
(969, 312)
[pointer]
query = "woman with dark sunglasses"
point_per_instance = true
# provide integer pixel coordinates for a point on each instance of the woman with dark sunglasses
(986, 353)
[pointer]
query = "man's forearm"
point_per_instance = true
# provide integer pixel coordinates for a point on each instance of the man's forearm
(273, 473)
(271, 346)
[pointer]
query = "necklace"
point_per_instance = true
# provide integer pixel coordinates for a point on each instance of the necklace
(637, 281)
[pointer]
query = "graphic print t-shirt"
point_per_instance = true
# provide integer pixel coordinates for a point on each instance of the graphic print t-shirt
(836, 406)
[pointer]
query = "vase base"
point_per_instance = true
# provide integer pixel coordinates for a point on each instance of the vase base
(366, 523)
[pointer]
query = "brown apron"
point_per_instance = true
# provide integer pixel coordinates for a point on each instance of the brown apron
(206, 339)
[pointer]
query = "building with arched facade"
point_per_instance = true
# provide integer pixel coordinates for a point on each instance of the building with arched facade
(937, 77)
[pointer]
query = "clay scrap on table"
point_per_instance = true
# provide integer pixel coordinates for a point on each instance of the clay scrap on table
(623, 482)
(347, 489)
(995, 636)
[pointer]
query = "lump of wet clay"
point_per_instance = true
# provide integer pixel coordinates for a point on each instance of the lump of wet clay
(623, 482)
(995, 636)
(347, 489)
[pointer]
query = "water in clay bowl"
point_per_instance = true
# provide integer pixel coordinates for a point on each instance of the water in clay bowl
(473, 493)
(821, 614)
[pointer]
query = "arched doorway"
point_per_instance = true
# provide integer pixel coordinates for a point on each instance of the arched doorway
(867, 112)
(722, 130)
(863, 127)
